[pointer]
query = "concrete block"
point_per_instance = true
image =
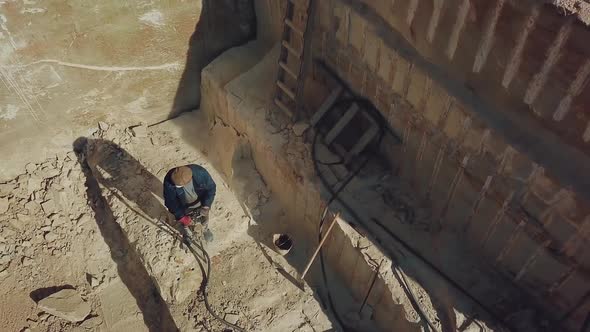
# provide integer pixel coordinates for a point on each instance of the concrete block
(474, 136)
(495, 146)
(386, 64)
(384, 314)
(371, 49)
(545, 187)
(362, 279)
(325, 14)
(347, 264)
(370, 88)
(333, 246)
(402, 71)
(356, 36)
(416, 89)
(455, 121)
(344, 65)
(436, 104)
(383, 99)
(341, 22)
(356, 77)
(520, 166)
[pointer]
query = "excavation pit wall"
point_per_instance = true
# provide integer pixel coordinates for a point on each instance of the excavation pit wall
(237, 93)
(480, 113)
(484, 118)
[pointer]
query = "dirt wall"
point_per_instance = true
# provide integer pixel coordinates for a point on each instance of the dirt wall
(486, 112)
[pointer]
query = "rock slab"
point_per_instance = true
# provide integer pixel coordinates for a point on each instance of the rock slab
(66, 304)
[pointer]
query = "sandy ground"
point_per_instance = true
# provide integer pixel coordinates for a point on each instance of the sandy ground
(93, 221)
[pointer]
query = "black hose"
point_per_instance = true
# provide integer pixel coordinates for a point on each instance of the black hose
(205, 282)
(333, 196)
(399, 275)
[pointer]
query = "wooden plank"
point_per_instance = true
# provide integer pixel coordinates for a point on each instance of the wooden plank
(284, 66)
(339, 126)
(362, 143)
(328, 102)
(283, 107)
(286, 89)
(291, 49)
(291, 25)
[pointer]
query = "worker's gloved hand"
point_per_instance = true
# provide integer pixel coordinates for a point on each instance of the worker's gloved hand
(185, 221)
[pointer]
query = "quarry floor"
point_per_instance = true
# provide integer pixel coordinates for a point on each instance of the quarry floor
(110, 242)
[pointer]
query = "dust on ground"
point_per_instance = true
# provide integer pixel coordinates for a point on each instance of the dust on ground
(93, 220)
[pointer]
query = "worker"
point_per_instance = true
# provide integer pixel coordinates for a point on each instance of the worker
(189, 192)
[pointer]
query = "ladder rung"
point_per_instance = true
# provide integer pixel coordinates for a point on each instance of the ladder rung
(286, 89)
(287, 69)
(362, 143)
(291, 25)
(328, 102)
(283, 107)
(291, 49)
(339, 126)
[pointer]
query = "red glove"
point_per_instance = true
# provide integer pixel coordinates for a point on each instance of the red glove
(185, 221)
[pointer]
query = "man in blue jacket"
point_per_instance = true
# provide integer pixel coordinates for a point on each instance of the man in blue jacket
(188, 191)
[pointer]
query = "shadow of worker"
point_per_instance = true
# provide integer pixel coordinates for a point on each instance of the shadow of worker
(96, 156)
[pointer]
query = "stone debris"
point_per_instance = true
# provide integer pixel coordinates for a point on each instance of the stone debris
(50, 237)
(139, 131)
(48, 207)
(3, 205)
(31, 168)
(6, 189)
(66, 304)
(33, 185)
(299, 128)
(103, 125)
(54, 228)
(231, 318)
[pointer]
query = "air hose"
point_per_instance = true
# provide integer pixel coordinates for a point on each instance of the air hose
(206, 276)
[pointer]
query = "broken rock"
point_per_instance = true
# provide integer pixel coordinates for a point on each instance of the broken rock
(139, 131)
(3, 205)
(50, 237)
(33, 185)
(299, 128)
(48, 207)
(232, 318)
(103, 126)
(66, 304)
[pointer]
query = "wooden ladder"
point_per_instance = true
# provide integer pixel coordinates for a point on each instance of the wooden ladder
(289, 81)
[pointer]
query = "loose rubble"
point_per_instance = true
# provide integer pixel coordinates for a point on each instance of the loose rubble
(112, 244)
(66, 304)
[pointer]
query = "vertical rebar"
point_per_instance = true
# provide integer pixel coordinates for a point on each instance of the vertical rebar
(499, 216)
(371, 284)
(477, 203)
(511, 241)
(532, 260)
(454, 184)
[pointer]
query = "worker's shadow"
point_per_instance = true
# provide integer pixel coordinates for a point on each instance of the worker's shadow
(106, 163)
(126, 179)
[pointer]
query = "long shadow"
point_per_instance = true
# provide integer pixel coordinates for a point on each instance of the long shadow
(132, 273)
(126, 179)
(223, 24)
